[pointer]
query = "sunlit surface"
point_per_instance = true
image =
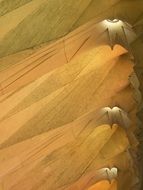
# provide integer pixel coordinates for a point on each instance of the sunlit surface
(104, 185)
(113, 21)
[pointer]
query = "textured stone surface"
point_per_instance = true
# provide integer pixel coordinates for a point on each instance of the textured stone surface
(52, 133)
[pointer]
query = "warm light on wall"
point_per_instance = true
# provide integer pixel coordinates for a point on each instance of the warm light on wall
(104, 185)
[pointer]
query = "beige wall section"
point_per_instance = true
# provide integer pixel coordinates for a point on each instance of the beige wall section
(34, 23)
